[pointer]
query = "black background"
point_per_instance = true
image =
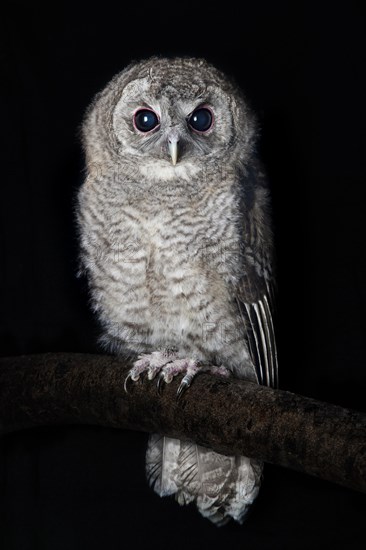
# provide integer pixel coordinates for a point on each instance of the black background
(302, 66)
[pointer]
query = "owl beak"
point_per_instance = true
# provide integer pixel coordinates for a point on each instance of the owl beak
(173, 149)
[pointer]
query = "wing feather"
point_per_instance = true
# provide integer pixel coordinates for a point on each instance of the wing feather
(255, 291)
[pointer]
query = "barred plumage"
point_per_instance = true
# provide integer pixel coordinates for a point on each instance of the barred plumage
(176, 243)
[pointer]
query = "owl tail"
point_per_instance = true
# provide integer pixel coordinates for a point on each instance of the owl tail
(223, 487)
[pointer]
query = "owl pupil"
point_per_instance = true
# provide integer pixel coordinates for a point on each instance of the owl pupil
(145, 120)
(201, 119)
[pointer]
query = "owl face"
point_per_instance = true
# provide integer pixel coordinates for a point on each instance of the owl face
(178, 111)
(178, 132)
(172, 116)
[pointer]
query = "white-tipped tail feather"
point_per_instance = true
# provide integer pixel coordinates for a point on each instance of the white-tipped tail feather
(223, 487)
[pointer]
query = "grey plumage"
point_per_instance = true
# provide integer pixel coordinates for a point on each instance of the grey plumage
(177, 246)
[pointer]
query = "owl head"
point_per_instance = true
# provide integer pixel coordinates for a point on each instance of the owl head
(169, 118)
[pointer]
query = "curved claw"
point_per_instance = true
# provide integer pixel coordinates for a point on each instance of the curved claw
(183, 387)
(159, 383)
(126, 380)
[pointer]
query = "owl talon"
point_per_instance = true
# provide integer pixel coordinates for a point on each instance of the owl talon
(125, 382)
(185, 384)
(133, 376)
(160, 383)
(183, 387)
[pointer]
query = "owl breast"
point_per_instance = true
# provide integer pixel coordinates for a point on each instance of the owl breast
(166, 276)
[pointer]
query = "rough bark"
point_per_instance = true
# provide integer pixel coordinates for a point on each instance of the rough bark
(228, 415)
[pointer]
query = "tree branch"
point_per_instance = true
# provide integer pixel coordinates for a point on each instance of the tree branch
(227, 415)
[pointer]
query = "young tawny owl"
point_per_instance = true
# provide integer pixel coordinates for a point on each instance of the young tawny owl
(177, 246)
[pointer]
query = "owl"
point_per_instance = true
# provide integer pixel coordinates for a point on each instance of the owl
(176, 243)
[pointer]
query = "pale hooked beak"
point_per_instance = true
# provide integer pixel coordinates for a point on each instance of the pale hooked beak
(173, 149)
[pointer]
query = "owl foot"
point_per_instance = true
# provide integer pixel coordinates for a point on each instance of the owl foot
(151, 364)
(194, 369)
(168, 365)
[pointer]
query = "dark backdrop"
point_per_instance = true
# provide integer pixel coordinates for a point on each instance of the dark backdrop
(302, 67)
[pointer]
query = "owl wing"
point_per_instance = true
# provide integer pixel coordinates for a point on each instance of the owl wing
(255, 290)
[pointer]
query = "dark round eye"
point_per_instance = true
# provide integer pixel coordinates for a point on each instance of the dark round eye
(145, 120)
(201, 119)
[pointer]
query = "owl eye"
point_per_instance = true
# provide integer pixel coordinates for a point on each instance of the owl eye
(201, 119)
(145, 120)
